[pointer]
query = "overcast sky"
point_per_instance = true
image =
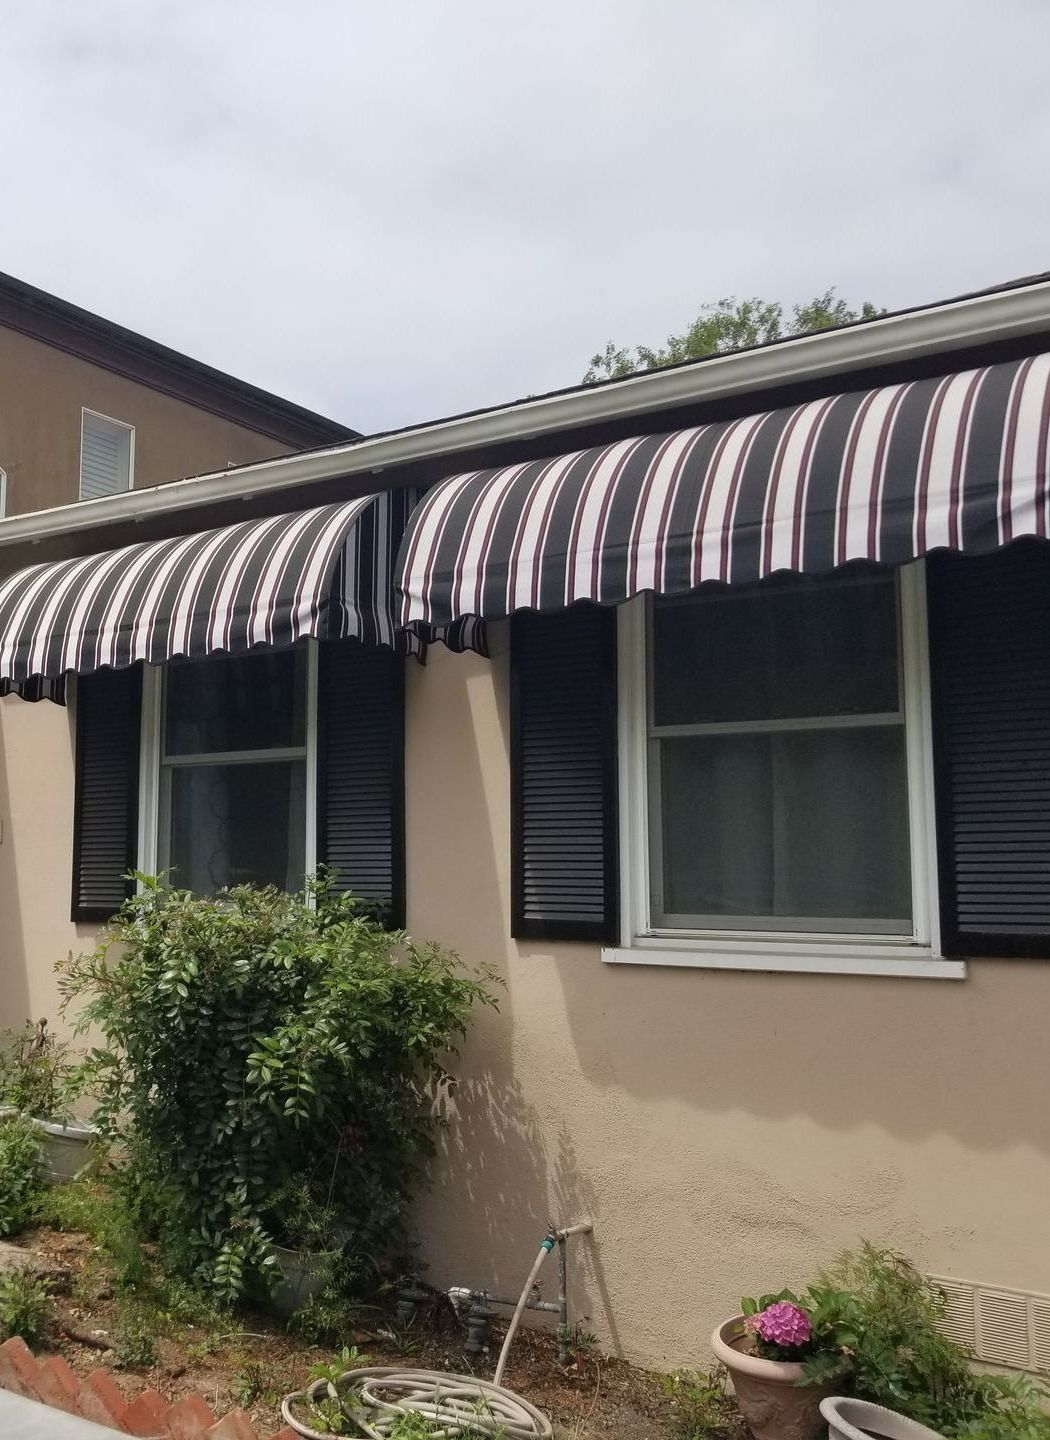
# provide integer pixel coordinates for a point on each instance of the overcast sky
(393, 212)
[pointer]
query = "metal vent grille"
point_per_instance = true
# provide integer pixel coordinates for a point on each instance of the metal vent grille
(1000, 1326)
(960, 1319)
(1041, 1333)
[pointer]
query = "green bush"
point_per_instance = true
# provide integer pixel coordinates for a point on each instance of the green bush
(272, 1063)
(37, 1074)
(877, 1334)
(20, 1183)
(24, 1307)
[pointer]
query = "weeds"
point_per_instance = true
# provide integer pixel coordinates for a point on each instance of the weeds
(703, 1409)
(25, 1307)
(97, 1208)
(135, 1348)
(20, 1183)
(578, 1343)
(257, 1382)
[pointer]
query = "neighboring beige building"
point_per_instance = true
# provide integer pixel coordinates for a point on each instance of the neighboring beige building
(158, 415)
(729, 1109)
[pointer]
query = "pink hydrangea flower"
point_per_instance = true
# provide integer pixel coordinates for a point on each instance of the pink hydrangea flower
(783, 1324)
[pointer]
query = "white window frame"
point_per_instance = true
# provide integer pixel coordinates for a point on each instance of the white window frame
(641, 943)
(110, 420)
(151, 752)
(3, 493)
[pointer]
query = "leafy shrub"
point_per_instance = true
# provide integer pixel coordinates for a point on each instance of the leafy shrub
(37, 1075)
(25, 1306)
(20, 1182)
(259, 1041)
(875, 1332)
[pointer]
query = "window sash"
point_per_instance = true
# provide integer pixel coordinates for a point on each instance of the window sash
(155, 766)
(767, 946)
(830, 723)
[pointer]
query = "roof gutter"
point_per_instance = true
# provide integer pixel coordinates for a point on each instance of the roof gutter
(955, 325)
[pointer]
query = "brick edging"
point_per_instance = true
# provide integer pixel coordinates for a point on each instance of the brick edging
(149, 1416)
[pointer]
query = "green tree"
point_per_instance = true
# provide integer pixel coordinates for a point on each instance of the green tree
(728, 324)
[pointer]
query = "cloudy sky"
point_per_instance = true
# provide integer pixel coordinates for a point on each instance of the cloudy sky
(393, 212)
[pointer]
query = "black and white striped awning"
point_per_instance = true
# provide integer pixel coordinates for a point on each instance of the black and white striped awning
(324, 573)
(883, 475)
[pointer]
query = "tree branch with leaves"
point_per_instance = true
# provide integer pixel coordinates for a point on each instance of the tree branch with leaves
(729, 324)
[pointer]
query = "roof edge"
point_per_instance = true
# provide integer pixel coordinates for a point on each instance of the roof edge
(941, 328)
(67, 327)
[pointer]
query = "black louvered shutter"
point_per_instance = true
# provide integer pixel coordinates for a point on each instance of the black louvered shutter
(105, 811)
(361, 773)
(563, 776)
(990, 664)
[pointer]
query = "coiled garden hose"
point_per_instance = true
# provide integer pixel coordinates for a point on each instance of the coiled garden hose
(375, 1399)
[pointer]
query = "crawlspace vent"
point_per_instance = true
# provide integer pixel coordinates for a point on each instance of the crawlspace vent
(1003, 1327)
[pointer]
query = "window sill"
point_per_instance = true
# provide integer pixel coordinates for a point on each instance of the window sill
(901, 961)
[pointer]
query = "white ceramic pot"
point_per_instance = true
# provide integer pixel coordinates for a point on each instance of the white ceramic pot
(66, 1150)
(771, 1400)
(304, 1274)
(861, 1420)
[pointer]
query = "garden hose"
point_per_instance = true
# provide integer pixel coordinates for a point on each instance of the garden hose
(376, 1399)
(515, 1319)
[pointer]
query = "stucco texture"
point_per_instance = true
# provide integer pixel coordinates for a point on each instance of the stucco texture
(725, 1131)
(44, 390)
(36, 858)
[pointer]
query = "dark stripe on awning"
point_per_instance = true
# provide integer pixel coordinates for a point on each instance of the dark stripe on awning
(961, 462)
(317, 573)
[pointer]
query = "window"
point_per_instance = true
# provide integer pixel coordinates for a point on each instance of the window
(776, 769)
(3, 493)
(228, 770)
(107, 455)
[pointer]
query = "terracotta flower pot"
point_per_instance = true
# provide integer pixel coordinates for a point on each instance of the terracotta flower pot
(771, 1400)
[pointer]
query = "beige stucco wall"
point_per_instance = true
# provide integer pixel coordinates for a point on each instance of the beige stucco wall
(36, 857)
(43, 392)
(726, 1132)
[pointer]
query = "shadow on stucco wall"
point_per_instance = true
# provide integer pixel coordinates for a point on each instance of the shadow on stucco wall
(966, 1059)
(505, 1166)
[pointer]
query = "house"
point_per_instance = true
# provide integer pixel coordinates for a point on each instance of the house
(89, 408)
(759, 836)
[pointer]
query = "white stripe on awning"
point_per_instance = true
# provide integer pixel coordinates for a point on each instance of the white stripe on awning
(961, 462)
(322, 573)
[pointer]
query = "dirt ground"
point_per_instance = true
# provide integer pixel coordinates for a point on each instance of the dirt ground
(257, 1365)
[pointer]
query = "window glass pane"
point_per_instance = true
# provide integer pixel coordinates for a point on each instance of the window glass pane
(241, 702)
(808, 646)
(791, 830)
(237, 824)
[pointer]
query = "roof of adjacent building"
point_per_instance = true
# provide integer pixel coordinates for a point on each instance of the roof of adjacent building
(1003, 322)
(90, 337)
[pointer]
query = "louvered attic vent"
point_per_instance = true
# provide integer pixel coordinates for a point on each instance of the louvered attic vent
(1000, 1326)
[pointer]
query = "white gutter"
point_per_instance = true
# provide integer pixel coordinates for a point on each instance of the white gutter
(999, 316)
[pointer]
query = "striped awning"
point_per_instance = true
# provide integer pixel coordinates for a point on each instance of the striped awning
(324, 573)
(881, 475)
